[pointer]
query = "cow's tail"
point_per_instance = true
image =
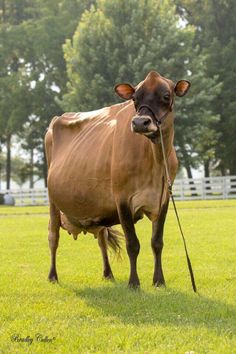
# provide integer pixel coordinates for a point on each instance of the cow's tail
(114, 240)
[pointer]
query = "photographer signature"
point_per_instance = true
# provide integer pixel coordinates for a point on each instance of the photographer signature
(40, 338)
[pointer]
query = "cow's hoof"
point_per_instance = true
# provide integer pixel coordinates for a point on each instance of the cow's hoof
(134, 285)
(108, 276)
(159, 284)
(52, 277)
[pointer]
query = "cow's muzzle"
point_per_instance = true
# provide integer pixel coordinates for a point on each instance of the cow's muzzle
(143, 125)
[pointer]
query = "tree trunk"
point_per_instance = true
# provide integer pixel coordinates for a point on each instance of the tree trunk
(0, 166)
(8, 162)
(232, 172)
(232, 169)
(190, 175)
(31, 168)
(222, 169)
(207, 174)
(189, 171)
(207, 168)
(45, 168)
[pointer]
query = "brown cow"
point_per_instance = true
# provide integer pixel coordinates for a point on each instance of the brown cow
(106, 168)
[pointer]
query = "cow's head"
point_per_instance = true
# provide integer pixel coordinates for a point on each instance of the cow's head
(153, 100)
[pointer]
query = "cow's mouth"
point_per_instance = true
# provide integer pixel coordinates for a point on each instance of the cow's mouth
(153, 136)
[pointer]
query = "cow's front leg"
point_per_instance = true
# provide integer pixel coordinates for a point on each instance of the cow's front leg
(102, 241)
(132, 242)
(157, 245)
(53, 238)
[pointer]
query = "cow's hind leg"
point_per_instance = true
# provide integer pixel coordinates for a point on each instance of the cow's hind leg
(53, 238)
(157, 245)
(103, 244)
(132, 242)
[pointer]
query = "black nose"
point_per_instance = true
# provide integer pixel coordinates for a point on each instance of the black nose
(140, 124)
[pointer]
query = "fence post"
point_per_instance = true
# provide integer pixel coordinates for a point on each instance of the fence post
(203, 188)
(182, 189)
(224, 187)
(21, 198)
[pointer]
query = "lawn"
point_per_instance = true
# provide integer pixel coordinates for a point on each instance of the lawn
(86, 314)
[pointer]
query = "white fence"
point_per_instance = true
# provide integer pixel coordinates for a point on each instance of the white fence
(205, 188)
(24, 197)
(184, 189)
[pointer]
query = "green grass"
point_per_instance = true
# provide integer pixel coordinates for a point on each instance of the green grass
(86, 314)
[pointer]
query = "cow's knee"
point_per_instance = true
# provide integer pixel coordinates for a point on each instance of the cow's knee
(157, 245)
(133, 247)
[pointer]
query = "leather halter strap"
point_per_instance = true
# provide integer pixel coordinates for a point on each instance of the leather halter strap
(159, 121)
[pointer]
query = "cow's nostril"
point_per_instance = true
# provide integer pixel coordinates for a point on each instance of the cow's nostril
(146, 122)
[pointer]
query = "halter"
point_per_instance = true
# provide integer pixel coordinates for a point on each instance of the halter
(158, 121)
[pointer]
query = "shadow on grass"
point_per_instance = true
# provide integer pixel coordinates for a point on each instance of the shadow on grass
(161, 306)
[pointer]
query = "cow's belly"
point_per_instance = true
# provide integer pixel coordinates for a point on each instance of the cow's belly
(86, 200)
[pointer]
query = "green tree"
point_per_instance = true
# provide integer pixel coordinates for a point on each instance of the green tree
(196, 135)
(215, 23)
(106, 49)
(14, 109)
(14, 100)
(32, 67)
(56, 22)
(20, 173)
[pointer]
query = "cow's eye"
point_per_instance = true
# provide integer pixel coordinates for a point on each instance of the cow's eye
(135, 101)
(166, 97)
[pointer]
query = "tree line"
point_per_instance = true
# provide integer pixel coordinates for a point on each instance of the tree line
(67, 55)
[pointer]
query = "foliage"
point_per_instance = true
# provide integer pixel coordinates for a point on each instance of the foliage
(19, 171)
(215, 22)
(32, 68)
(120, 51)
(196, 135)
(187, 39)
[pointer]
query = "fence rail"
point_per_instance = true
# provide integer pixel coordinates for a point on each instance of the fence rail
(27, 197)
(205, 188)
(184, 189)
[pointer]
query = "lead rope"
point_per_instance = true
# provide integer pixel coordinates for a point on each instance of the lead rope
(176, 213)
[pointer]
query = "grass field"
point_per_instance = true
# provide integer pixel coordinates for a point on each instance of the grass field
(86, 314)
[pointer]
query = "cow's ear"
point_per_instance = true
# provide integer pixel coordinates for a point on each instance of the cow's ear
(182, 87)
(125, 91)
